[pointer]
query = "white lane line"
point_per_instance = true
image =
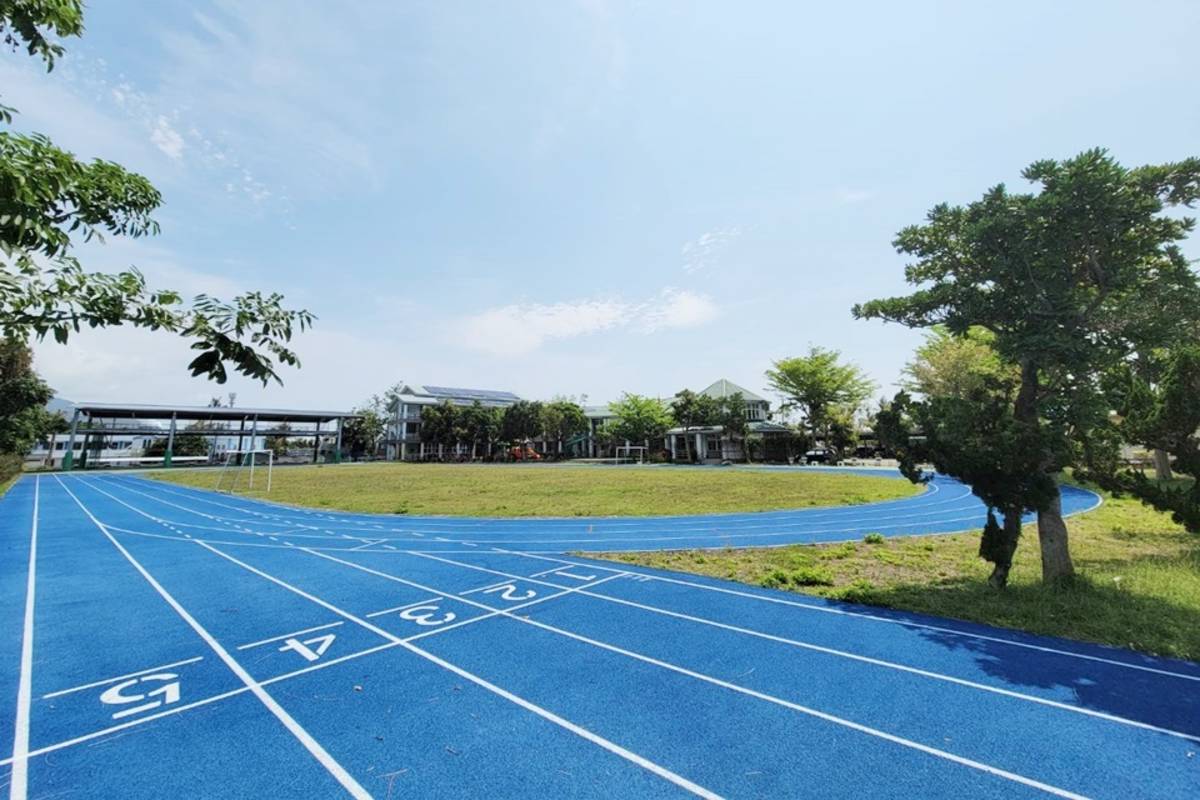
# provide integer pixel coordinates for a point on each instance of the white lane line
(368, 543)
(94, 684)
(872, 617)
(878, 662)
(310, 744)
(374, 614)
(19, 787)
(550, 716)
(900, 740)
(289, 635)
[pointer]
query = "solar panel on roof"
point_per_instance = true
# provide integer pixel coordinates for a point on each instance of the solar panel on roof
(470, 394)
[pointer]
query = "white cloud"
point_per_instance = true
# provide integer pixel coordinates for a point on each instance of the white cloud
(167, 139)
(519, 329)
(849, 197)
(678, 308)
(705, 251)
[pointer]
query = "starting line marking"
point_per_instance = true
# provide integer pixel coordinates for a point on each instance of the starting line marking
(312, 745)
(546, 714)
(289, 635)
(94, 684)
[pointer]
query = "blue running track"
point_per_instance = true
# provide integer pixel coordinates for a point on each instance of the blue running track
(167, 642)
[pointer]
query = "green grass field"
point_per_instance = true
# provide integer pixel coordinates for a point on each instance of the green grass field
(1138, 586)
(544, 490)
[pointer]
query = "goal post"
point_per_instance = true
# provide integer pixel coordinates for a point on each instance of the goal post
(629, 450)
(243, 462)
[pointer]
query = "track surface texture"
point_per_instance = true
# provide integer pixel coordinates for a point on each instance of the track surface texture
(161, 641)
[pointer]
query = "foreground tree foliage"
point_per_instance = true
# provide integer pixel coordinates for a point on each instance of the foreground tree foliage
(1062, 280)
(49, 199)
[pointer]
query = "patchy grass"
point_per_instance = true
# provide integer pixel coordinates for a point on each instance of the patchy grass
(560, 490)
(1138, 583)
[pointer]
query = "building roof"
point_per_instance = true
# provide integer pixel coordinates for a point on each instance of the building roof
(208, 413)
(723, 388)
(483, 395)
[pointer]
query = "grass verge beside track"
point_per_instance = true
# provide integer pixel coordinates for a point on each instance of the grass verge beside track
(1138, 584)
(556, 490)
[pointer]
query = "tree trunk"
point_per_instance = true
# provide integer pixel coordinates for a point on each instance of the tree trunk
(1005, 549)
(1162, 465)
(1052, 530)
(1052, 534)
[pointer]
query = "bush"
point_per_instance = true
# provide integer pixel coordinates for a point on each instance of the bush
(873, 538)
(775, 579)
(862, 591)
(802, 576)
(812, 576)
(10, 467)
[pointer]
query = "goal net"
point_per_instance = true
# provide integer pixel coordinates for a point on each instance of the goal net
(238, 472)
(633, 454)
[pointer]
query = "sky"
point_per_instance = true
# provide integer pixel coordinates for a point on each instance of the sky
(573, 198)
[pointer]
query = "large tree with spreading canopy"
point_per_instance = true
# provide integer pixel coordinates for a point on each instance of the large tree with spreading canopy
(1071, 280)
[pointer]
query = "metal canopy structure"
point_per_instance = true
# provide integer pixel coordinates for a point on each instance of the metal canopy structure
(105, 419)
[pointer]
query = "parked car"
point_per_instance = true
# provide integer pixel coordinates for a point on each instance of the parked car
(820, 456)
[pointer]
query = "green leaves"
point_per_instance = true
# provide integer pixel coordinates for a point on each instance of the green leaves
(49, 198)
(639, 418)
(30, 24)
(821, 387)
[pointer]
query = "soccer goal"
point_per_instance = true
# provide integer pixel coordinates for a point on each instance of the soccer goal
(630, 458)
(239, 469)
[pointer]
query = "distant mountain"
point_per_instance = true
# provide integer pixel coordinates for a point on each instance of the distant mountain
(60, 406)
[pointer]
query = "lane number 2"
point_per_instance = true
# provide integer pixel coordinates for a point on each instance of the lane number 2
(509, 592)
(165, 693)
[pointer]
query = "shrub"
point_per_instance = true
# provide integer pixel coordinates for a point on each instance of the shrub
(10, 467)
(775, 579)
(811, 576)
(863, 591)
(873, 538)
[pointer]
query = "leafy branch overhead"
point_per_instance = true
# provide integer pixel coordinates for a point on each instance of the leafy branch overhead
(50, 200)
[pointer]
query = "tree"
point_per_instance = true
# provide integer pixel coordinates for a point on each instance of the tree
(1062, 279)
(440, 424)
(563, 419)
(946, 365)
(47, 196)
(185, 444)
(1161, 413)
(692, 410)
(818, 384)
(521, 422)
(278, 445)
(361, 434)
(640, 419)
(481, 425)
(731, 416)
(24, 420)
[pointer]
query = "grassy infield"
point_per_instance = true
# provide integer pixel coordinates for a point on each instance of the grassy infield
(1139, 573)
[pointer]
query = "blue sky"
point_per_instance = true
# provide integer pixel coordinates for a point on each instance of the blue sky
(577, 198)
